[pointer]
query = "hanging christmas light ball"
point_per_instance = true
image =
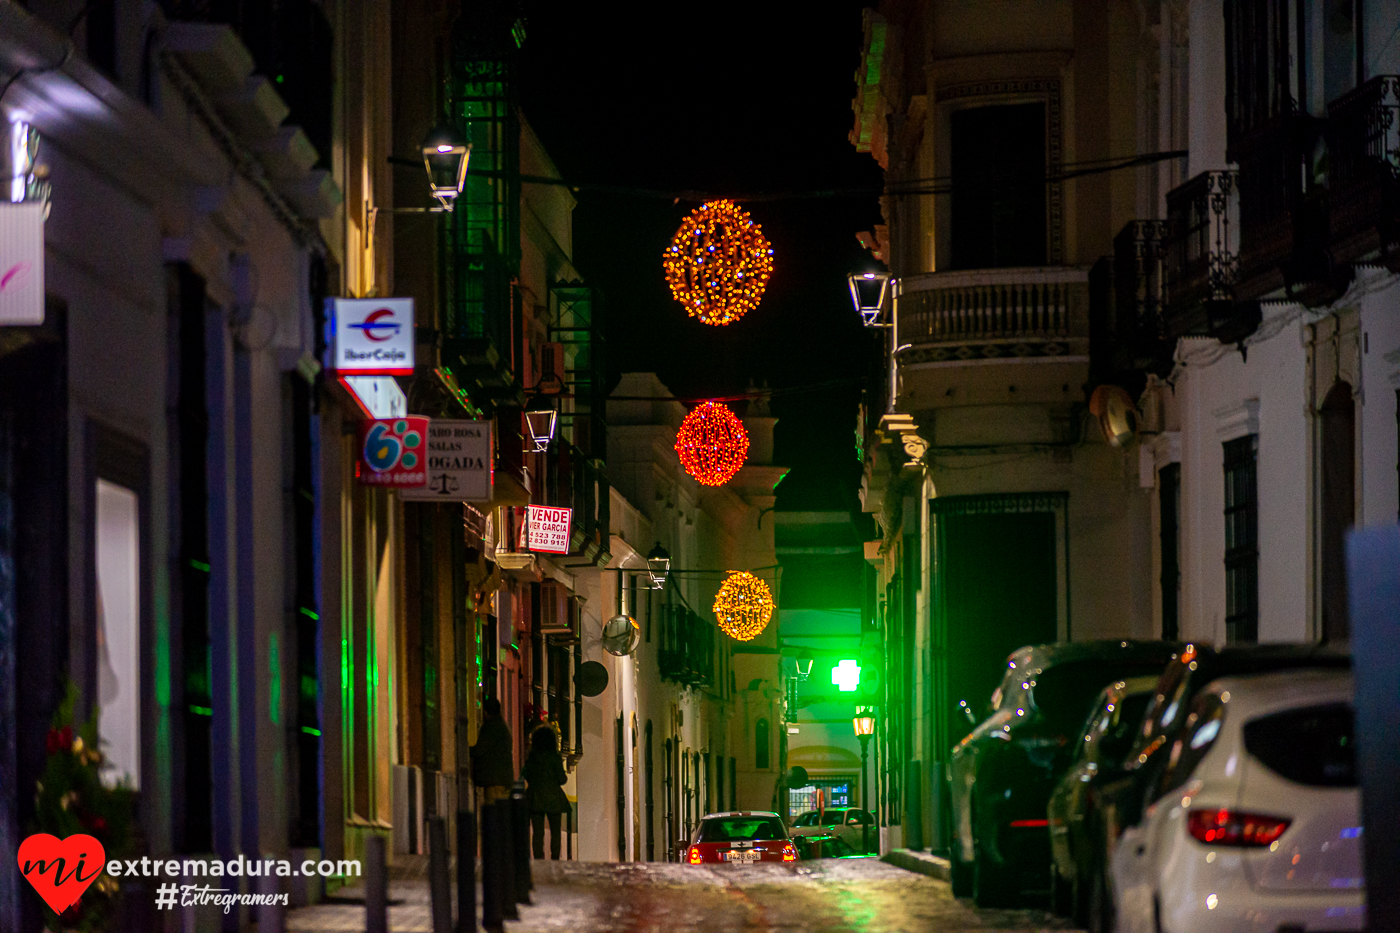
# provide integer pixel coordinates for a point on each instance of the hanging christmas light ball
(712, 444)
(718, 263)
(743, 606)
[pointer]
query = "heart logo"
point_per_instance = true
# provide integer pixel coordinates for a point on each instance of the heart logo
(59, 868)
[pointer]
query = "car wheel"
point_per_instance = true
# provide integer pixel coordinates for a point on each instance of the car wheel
(1061, 895)
(959, 874)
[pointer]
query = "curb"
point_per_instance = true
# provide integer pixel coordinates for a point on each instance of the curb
(920, 862)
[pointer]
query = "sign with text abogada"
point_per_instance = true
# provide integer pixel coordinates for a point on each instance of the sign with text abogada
(548, 529)
(459, 462)
(371, 336)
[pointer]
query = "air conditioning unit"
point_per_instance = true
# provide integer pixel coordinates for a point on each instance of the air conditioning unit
(551, 367)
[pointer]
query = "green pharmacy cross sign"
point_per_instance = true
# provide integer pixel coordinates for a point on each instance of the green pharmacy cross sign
(846, 675)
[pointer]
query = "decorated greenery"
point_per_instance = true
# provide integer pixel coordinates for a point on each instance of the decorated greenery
(70, 797)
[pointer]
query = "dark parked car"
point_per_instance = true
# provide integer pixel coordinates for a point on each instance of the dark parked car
(1074, 806)
(1122, 801)
(1002, 773)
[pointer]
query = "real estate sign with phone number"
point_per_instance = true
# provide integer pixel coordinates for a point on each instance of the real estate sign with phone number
(548, 529)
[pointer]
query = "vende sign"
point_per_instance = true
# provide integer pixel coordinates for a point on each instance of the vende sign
(371, 336)
(548, 529)
(392, 452)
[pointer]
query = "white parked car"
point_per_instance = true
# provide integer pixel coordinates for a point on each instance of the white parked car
(1255, 823)
(847, 824)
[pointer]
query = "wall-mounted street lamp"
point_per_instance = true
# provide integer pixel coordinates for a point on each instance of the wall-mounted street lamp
(864, 724)
(804, 663)
(658, 566)
(540, 420)
(445, 156)
(868, 294)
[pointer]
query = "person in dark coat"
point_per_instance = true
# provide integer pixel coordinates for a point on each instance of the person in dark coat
(493, 765)
(544, 793)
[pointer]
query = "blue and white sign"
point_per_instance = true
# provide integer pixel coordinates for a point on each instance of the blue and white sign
(371, 336)
(21, 264)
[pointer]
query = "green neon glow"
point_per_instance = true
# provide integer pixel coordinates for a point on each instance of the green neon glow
(274, 664)
(201, 710)
(309, 730)
(199, 565)
(846, 675)
(309, 613)
(344, 666)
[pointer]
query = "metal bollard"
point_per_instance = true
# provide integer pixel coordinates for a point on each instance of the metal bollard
(439, 887)
(493, 880)
(376, 886)
(466, 871)
(520, 830)
(505, 849)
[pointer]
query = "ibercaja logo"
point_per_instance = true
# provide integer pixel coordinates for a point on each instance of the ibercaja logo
(393, 452)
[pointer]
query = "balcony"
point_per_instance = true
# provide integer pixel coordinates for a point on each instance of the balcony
(1200, 247)
(1363, 146)
(1127, 306)
(987, 320)
(687, 654)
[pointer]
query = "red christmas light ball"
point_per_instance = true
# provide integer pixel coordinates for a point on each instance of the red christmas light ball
(712, 444)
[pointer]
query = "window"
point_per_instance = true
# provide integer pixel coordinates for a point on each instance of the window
(1065, 694)
(1258, 52)
(1338, 443)
(738, 829)
(999, 195)
(760, 745)
(1169, 503)
(118, 561)
(1191, 746)
(1241, 540)
(1313, 746)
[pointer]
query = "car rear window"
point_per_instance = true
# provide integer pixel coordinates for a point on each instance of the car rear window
(1065, 693)
(1314, 745)
(737, 828)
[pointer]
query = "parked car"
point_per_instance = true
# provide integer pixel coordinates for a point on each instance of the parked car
(847, 824)
(1122, 801)
(1002, 773)
(1099, 751)
(740, 837)
(1254, 823)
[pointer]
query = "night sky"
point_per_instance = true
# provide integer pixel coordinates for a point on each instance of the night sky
(735, 99)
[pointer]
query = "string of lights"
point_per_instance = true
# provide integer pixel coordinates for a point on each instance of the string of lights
(718, 263)
(712, 444)
(743, 606)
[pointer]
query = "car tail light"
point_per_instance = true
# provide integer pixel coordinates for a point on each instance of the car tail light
(789, 852)
(1234, 828)
(694, 856)
(1029, 824)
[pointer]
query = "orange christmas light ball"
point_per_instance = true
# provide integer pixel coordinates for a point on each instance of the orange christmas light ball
(718, 263)
(712, 444)
(743, 606)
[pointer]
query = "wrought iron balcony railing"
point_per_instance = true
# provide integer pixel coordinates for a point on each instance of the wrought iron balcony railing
(994, 313)
(1201, 250)
(687, 653)
(1127, 296)
(1363, 147)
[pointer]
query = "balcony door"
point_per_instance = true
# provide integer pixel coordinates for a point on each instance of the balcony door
(999, 189)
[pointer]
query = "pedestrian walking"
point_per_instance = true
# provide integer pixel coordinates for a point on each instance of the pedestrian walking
(493, 768)
(544, 779)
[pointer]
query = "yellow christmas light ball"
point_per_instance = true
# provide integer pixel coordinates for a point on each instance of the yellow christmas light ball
(718, 263)
(743, 606)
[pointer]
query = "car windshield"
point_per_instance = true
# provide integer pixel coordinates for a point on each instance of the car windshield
(829, 817)
(1312, 746)
(739, 828)
(1107, 737)
(1065, 693)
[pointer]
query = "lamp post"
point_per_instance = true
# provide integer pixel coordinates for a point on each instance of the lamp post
(868, 290)
(865, 727)
(445, 157)
(540, 419)
(658, 566)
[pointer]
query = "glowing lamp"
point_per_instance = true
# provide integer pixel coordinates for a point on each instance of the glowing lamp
(445, 157)
(868, 294)
(743, 606)
(658, 566)
(712, 444)
(846, 675)
(718, 263)
(864, 724)
(804, 666)
(540, 418)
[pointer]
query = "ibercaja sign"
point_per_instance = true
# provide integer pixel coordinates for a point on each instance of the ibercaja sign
(393, 452)
(371, 336)
(547, 529)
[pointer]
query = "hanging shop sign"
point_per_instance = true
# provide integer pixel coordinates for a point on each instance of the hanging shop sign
(392, 452)
(459, 463)
(547, 529)
(377, 396)
(21, 264)
(371, 336)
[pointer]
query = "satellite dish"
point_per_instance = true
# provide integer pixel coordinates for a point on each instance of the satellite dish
(621, 636)
(1118, 416)
(591, 678)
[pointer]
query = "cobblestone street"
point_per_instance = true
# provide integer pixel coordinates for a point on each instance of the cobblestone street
(828, 896)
